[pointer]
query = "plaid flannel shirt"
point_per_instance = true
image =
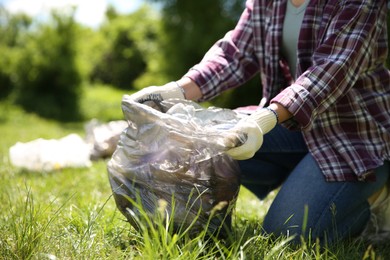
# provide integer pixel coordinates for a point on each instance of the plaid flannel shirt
(341, 97)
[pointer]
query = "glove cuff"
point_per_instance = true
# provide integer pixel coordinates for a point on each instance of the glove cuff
(266, 119)
(173, 90)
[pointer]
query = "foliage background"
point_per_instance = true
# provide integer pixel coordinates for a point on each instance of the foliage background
(45, 65)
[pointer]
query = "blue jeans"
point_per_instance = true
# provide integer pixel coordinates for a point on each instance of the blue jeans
(306, 204)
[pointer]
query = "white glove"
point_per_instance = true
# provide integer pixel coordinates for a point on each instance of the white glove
(254, 127)
(159, 93)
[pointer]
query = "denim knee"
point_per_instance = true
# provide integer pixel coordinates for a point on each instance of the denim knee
(325, 230)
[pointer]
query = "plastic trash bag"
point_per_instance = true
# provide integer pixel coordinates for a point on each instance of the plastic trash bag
(175, 155)
(47, 155)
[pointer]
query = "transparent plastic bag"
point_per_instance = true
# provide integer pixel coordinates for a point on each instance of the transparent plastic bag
(175, 154)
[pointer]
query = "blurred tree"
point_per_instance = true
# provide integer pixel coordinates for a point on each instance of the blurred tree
(12, 26)
(5, 72)
(191, 27)
(189, 30)
(11, 29)
(48, 80)
(90, 48)
(124, 59)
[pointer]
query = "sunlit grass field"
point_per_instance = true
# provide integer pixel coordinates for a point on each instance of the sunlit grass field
(70, 213)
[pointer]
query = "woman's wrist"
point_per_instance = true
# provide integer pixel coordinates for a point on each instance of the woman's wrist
(190, 88)
(282, 113)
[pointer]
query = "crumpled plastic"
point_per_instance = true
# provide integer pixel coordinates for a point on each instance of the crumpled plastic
(70, 151)
(174, 156)
(103, 137)
(51, 154)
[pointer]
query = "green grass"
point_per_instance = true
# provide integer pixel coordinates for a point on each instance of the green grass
(70, 213)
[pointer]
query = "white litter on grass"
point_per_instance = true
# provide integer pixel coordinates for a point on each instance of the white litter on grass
(71, 151)
(47, 155)
(103, 137)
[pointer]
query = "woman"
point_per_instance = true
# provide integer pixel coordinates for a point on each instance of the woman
(324, 110)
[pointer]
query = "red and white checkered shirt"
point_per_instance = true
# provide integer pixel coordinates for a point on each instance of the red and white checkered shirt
(341, 98)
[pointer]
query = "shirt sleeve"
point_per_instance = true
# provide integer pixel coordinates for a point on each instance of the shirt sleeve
(343, 55)
(230, 62)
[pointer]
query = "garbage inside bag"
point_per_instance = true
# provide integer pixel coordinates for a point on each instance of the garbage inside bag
(47, 155)
(176, 156)
(103, 137)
